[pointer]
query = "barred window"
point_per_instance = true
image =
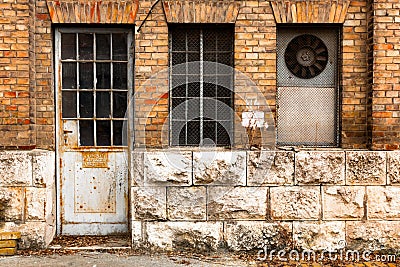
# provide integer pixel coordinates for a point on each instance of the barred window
(201, 82)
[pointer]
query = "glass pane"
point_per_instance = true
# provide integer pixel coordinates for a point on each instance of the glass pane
(193, 40)
(86, 104)
(68, 46)
(103, 109)
(193, 111)
(209, 90)
(209, 40)
(225, 39)
(69, 75)
(86, 136)
(178, 58)
(120, 76)
(178, 109)
(117, 135)
(120, 46)
(178, 39)
(223, 138)
(209, 129)
(103, 75)
(194, 89)
(179, 91)
(223, 91)
(85, 46)
(193, 132)
(69, 104)
(103, 48)
(103, 133)
(225, 58)
(178, 132)
(86, 75)
(119, 104)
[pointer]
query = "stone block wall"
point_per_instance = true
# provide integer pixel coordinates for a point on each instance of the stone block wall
(28, 196)
(246, 200)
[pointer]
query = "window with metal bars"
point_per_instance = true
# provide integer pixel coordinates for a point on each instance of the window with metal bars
(201, 82)
(95, 80)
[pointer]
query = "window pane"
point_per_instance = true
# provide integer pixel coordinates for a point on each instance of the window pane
(178, 58)
(86, 75)
(119, 104)
(193, 40)
(120, 76)
(209, 40)
(209, 129)
(103, 133)
(209, 90)
(86, 104)
(118, 127)
(119, 46)
(223, 134)
(69, 104)
(193, 111)
(69, 75)
(179, 91)
(103, 47)
(193, 132)
(86, 136)
(194, 89)
(68, 46)
(85, 46)
(178, 108)
(178, 37)
(103, 75)
(225, 39)
(103, 105)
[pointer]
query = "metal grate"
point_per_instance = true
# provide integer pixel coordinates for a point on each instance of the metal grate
(201, 90)
(308, 92)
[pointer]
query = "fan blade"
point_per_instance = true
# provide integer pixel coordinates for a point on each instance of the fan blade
(320, 50)
(321, 58)
(316, 43)
(303, 72)
(318, 66)
(312, 71)
(296, 69)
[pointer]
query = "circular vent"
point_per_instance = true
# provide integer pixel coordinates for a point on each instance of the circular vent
(306, 56)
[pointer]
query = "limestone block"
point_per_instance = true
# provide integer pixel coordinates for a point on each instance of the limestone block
(137, 168)
(167, 168)
(366, 167)
(316, 167)
(43, 165)
(343, 202)
(383, 202)
(317, 236)
(256, 235)
(136, 233)
(373, 235)
(15, 168)
(186, 203)
(393, 167)
(33, 234)
(270, 168)
(11, 203)
(237, 202)
(219, 167)
(35, 203)
(149, 203)
(295, 203)
(199, 236)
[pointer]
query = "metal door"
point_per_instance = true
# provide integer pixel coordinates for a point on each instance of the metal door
(93, 80)
(308, 92)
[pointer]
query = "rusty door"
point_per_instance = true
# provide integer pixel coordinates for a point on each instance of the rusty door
(93, 80)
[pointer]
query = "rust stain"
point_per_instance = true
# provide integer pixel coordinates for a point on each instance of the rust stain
(95, 159)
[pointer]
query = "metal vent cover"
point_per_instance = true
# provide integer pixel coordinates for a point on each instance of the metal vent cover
(292, 70)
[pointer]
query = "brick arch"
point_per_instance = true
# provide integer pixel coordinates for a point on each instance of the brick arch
(310, 11)
(201, 11)
(86, 11)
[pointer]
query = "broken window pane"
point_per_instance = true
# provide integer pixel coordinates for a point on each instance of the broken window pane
(68, 46)
(85, 46)
(86, 104)
(103, 133)
(69, 104)
(69, 75)
(86, 75)
(120, 46)
(103, 47)
(103, 75)
(103, 105)
(86, 136)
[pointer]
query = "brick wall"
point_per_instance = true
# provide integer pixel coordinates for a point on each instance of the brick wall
(385, 94)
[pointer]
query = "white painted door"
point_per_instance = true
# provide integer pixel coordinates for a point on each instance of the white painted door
(93, 80)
